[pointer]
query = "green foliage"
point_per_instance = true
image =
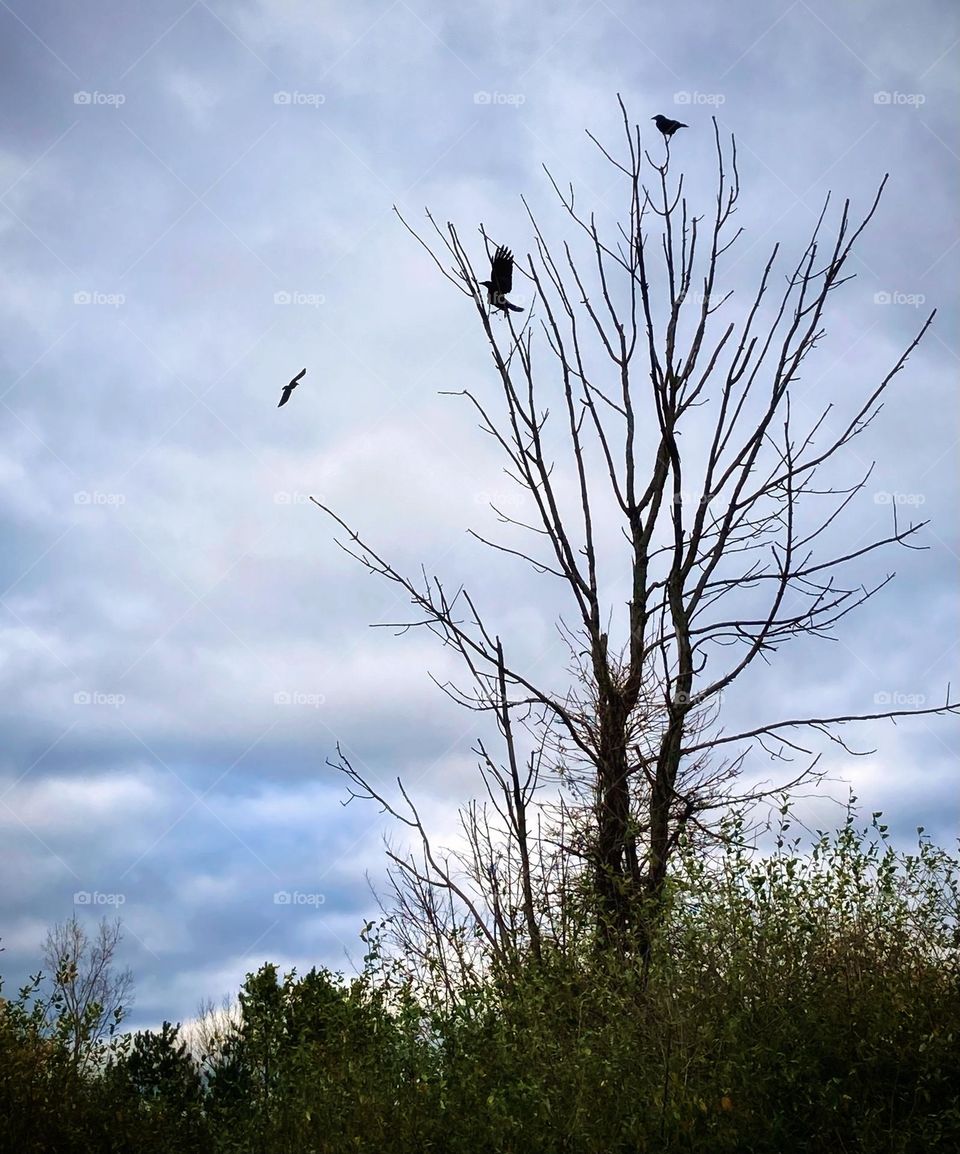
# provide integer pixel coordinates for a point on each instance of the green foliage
(156, 1088)
(315, 1064)
(823, 989)
(33, 1072)
(808, 1000)
(45, 1101)
(140, 1093)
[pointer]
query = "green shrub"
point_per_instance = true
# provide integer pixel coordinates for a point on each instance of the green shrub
(801, 1001)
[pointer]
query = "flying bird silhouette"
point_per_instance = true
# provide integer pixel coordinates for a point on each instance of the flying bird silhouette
(288, 389)
(501, 281)
(667, 126)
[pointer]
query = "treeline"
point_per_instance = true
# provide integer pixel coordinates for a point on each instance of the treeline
(804, 1001)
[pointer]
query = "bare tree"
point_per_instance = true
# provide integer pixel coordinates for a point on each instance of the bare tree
(730, 547)
(90, 996)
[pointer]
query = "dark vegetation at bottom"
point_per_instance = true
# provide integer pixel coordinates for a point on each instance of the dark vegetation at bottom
(803, 1002)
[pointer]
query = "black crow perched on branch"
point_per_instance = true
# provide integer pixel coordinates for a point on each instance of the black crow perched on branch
(501, 281)
(667, 126)
(288, 389)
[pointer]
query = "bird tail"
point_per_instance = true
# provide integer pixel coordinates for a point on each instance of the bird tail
(513, 308)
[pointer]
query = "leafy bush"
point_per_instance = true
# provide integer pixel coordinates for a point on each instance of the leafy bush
(802, 1001)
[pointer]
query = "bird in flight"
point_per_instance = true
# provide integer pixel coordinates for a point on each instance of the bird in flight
(288, 389)
(667, 126)
(501, 281)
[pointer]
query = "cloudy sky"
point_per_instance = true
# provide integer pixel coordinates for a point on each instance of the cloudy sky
(196, 202)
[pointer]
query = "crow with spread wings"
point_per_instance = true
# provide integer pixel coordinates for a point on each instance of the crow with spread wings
(288, 389)
(501, 281)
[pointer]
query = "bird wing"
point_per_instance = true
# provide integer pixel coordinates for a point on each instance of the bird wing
(501, 270)
(296, 379)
